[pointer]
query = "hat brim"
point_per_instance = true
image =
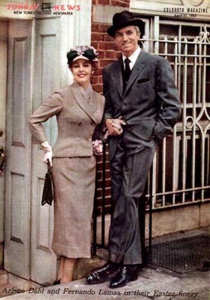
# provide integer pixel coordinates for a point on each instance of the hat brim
(85, 58)
(135, 22)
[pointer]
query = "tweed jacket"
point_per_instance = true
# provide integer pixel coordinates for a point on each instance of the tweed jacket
(77, 118)
(149, 105)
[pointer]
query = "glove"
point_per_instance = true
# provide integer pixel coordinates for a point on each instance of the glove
(48, 153)
(97, 147)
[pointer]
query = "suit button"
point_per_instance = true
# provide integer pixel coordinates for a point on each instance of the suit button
(80, 124)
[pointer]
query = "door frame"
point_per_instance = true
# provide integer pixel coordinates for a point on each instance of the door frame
(3, 88)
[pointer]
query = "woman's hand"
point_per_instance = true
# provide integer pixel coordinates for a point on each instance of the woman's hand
(97, 147)
(48, 153)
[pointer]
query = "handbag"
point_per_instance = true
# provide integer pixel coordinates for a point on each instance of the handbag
(47, 195)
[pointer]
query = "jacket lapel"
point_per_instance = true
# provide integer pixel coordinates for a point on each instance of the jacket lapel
(89, 106)
(138, 67)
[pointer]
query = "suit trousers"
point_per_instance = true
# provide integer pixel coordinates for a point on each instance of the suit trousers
(129, 171)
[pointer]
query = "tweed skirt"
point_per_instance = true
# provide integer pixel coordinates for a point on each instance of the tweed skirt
(74, 188)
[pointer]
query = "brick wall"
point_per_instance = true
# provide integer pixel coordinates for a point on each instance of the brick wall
(103, 42)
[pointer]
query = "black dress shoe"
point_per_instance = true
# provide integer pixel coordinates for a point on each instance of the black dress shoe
(57, 282)
(103, 274)
(205, 267)
(126, 274)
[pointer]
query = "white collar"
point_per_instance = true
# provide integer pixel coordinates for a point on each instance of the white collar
(133, 57)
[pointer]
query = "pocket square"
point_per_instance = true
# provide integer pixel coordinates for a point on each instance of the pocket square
(143, 80)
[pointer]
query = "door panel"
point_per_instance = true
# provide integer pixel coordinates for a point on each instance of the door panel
(33, 74)
(46, 80)
(18, 179)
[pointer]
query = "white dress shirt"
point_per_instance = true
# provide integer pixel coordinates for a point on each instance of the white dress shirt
(132, 58)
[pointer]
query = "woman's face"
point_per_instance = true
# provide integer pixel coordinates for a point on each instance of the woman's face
(81, 70)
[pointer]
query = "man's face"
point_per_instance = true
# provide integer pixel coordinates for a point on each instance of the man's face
(126, 40)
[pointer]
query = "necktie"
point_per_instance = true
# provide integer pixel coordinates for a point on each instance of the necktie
(127, 69)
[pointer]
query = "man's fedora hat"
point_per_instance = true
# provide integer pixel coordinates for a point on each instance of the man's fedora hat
(123, 19)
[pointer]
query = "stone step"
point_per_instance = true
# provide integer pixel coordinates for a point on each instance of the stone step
(6, 290)
(3, 277)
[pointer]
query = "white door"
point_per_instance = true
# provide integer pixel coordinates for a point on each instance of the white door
(46, 80)
(37, 65)
(33, 74)
(18, 167)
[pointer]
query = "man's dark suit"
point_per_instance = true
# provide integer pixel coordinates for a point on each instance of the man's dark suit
(150, 106)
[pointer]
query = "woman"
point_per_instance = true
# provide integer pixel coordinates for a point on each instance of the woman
(78, 110)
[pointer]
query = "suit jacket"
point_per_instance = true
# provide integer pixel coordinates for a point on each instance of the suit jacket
(149, 105)
(77, 117)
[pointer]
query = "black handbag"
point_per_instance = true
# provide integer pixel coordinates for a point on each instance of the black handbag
(47, 195)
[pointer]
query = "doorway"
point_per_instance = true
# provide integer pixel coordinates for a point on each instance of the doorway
(28, 225)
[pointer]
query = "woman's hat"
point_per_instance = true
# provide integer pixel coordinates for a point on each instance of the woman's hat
(82, 52)
(123, 19)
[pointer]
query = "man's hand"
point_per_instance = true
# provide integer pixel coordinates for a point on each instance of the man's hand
(114, 126)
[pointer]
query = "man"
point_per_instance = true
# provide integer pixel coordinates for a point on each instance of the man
(142, 106)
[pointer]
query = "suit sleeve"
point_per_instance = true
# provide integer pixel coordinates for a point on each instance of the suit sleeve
(167, 96)
(108, 108)
(50, 107)
(99, 133)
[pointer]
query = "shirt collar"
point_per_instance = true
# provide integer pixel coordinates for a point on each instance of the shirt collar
(133, 57)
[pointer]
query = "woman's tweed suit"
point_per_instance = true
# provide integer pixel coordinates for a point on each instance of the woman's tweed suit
(78, 112)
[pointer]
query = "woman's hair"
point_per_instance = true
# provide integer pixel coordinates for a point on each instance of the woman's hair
(93, 63)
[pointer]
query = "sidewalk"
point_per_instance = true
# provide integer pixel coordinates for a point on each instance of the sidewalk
(152, 284)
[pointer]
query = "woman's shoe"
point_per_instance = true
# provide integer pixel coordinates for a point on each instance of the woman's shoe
(57, 282)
